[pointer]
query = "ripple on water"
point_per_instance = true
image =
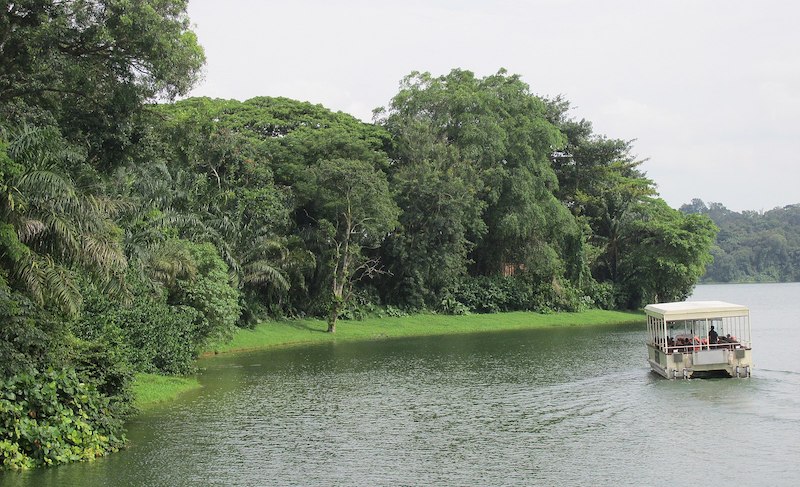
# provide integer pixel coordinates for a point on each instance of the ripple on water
(545, 407)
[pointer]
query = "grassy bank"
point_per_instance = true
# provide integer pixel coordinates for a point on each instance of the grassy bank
(152, 389)
(283, 333)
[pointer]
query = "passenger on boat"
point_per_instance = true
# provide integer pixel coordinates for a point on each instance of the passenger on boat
(684, 342)
(713, 337)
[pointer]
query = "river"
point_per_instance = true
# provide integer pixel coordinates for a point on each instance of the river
(573, 406)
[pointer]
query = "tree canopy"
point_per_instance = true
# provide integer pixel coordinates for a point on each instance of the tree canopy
(752, 246)
(135, 230)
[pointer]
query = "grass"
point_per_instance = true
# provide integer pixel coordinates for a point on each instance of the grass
(152, 389)
(295, 332)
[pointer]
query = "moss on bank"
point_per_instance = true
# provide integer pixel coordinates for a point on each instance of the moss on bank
(151, 389)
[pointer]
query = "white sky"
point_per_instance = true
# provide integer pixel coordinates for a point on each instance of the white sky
(710, 90)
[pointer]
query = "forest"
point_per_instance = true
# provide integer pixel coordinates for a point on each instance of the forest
(752, 246)
(135, 230)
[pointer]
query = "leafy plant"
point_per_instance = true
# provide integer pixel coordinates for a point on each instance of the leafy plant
(52, 417)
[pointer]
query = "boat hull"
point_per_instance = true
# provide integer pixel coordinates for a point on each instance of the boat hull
(720, 362)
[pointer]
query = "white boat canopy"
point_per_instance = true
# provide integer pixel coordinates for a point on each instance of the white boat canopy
(695, 310)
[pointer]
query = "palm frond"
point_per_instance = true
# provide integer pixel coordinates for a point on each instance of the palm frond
(45, 280)
(263, 273)
(28, 274)
(62, 288)
(169, 262)
(103, 253)
(28, 229)
(45, 185)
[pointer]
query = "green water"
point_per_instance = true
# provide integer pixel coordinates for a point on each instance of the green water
(575, 406)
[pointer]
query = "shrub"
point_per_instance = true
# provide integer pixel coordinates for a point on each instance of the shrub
(105, 365)
(148, 333)
(30, 336)
(601, 295)
(50, 418)
(451, 306)
(484, 294)
(210, 292)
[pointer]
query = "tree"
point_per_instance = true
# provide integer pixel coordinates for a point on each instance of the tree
(89, 65)
(50, 229)
(610, 208)
(440, 222)
(250, 159)
(498, 130)
(753, 246)
(600, 181)
(355, 212)
(667, 254)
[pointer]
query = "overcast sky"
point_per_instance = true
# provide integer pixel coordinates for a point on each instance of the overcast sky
(710, 90)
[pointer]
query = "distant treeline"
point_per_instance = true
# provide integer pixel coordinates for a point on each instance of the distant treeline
(752, 246)
(133, 234)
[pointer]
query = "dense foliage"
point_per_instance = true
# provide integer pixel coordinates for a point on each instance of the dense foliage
(133, 233)
(47, 418)
(752, 246)
(74, 77)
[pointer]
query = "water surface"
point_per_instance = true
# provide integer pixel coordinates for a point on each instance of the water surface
(570, 406)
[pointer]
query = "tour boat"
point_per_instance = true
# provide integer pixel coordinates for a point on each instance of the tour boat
(699, 339)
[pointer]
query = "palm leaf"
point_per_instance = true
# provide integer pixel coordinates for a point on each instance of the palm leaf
(263, 273)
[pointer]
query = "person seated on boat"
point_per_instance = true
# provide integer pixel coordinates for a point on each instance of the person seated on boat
(713, 337)
(670, 342)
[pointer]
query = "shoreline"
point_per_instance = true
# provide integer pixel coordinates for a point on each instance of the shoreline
(153, 389)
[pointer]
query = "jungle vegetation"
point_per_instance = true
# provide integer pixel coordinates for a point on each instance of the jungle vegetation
(135, 230)
(752, 246)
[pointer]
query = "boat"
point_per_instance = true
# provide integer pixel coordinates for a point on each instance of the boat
(693, 339)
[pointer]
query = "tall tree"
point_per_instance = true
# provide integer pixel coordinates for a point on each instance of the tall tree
(50, 229)
(260, 151)
(498, 129)
(667, 254)
(441, 217)
(354, 213)
(89, 65)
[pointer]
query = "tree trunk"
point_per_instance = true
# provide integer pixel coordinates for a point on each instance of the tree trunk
(332, 317)
(340, 277)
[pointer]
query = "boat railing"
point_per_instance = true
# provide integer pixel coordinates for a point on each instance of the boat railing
(698, 344)
(696, 347)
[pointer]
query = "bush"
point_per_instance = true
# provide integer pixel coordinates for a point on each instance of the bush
(148, 333)
(451, 306)
(601, 294)
(210, 292)
(105, 365)
(29, 335)
(50, 418)
(484, 294)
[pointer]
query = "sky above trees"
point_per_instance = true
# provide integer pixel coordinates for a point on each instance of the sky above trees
(707, 89)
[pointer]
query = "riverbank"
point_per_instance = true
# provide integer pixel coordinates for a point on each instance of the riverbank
(152, 389)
